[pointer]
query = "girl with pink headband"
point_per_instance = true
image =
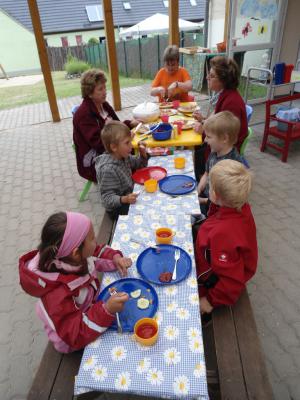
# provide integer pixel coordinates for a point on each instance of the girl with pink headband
(62, 273)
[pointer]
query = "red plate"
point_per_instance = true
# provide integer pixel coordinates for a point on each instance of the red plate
(143, 174)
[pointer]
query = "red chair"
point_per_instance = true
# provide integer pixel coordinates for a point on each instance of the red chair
(292, 133)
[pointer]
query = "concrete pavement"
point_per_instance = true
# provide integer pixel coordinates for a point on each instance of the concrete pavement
(38, 176)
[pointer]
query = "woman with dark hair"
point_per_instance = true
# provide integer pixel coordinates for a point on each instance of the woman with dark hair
(89, 120)
(223, 81)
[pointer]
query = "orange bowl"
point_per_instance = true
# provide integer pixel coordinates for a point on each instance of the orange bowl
(164, 235)
(146, 331)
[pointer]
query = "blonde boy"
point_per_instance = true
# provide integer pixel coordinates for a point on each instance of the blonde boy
(226, 247)
(114, 168)
(221, 132)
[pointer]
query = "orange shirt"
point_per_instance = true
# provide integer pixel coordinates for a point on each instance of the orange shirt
(164, 79)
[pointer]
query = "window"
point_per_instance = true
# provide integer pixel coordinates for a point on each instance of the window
(94, 13)
(64, 41)
(193, 2)
(79, 40)
(127, 5)
(166, 3)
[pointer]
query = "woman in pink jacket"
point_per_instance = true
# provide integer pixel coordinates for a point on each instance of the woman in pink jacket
(62, 274)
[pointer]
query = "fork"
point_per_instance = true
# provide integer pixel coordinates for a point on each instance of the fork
(176, 257)
(120, 330)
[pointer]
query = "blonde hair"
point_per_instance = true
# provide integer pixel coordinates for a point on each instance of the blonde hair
(112, 133)
(89, 81)
(223, 123)
(232, 182)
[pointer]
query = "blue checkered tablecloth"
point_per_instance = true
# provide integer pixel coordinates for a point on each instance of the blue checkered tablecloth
(174, 367)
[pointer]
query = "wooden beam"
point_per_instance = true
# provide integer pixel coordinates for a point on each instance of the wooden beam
(173, 22)
(227, 11)
(40, 42)
(112, 54)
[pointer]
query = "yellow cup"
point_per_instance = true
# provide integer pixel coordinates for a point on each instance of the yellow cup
(146, 331)
(150, 185)
(164, 235)
(179, 162)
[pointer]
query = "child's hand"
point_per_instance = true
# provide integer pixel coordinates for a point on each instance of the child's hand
(122, 264)
(130, 198)
(201, 187)
(198, 116)
(203, 200)
(142, 150)
(198, 127)
(205, 306)
(116, 302)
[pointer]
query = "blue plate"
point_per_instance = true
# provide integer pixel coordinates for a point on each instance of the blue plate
(151, 264)
(177, 184)
(131, 313)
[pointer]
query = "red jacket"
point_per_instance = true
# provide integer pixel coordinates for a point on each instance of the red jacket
(87, 125)
(226, 243)
(231, 100)
(72, 318)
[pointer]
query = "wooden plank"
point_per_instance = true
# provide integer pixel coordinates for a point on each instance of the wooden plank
(173, 22)
(255, 371)
(111, 53)
(106, 229)
(232, 385)
(46, 374)
(40, 42)
(63, 387)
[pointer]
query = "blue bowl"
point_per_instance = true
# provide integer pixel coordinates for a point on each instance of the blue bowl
(163, 132)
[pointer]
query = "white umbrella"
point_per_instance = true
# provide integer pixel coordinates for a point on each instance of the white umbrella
(157, 23)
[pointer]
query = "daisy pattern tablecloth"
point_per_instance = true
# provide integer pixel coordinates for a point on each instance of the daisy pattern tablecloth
(174, 367)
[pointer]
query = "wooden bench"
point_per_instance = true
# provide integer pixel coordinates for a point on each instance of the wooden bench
(234, 359)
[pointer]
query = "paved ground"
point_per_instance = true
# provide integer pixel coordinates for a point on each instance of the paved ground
(21, 80)
(38, 176)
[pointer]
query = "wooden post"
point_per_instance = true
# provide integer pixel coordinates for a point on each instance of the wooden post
(40, 42)
(111, 53)
(3, 71)
(173, 22)
(227, 11)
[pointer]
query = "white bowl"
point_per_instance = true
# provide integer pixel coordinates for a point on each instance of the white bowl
(146, 112)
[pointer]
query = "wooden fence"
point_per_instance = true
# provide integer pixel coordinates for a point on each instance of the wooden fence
(136, 58)
(57, 56)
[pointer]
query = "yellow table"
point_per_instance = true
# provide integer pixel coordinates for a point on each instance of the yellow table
(188, 138)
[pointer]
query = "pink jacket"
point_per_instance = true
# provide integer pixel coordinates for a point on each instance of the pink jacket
(67, 302)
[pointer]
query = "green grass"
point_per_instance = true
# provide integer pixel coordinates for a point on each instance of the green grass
(15, 96)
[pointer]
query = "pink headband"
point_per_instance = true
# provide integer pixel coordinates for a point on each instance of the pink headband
(77, 228)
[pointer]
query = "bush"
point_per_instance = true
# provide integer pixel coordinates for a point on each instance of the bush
(93, 40)
(75, 67)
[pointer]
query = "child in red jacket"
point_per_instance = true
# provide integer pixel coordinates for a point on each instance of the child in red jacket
(226, 247)
(62, 273)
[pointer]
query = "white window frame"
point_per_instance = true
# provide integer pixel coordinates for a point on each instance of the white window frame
(166, 3)
(96, 9)
(126, 5)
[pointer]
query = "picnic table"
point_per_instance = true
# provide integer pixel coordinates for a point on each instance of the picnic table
(188, 138)
(175, 366)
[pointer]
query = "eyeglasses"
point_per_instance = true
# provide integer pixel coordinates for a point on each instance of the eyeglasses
(211, 76)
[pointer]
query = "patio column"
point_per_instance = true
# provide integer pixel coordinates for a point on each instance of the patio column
(173, 22)
(40, 42)
(112, 54)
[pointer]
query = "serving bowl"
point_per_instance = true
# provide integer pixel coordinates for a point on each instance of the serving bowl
(162, 132)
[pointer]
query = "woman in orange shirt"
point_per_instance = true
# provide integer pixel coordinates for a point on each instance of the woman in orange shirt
(171, 82)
